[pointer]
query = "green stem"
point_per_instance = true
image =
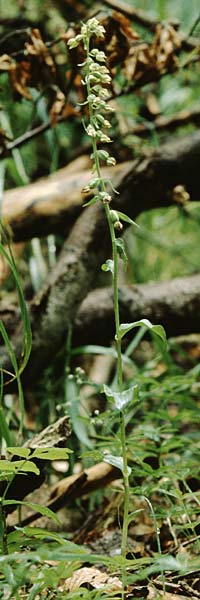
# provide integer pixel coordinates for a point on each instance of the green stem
(117, 335)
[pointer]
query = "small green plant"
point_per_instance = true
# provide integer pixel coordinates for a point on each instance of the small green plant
(96, 81)
(9, 469)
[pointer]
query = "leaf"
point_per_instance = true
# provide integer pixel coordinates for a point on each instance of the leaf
(93, 577)
(19, 466)
(37, 47)
(121, 399)
(115, 461)
(92, 201)
(102, 154)
(43, 510)
(5, 432)
(121, 249)
(80, 428)
(95, 349)
(41, 534)
(108, 266)
(16, 451)
(51, 453)
(127, 219)
(157, 329)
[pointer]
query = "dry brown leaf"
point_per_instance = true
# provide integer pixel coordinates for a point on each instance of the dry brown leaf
(152, 105)
(6, 62)
(61, 109)
(151, 60)
(164, 46)
(155, 594)
(20, 76)
(38, 48)
(124, 25)
(94, 578)
(57, 107)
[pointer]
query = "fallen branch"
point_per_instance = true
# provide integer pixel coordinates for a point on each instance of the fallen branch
(75, 486)
(149, 184)
(160, 123)
(52, 205)
(175, 304)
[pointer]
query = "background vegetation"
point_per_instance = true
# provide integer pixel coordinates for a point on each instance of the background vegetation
(41, 92)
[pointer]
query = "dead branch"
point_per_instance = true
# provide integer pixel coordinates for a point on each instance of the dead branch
(52, 204)
(147, 185)
(175, 304)
(55, 306)
(161, 123)
(75, 486)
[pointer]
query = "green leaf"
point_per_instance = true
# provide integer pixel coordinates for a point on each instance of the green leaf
(121, 399)
(41, 534)
(5, 432)
(43, 510)
(121, 250)
(102, 154)
(115, 461)
(92, 201)
(18, 451)
(127, 219)
(19, 466)
(51, 453)
(157, 329)
(79, 427)
(95, 349)
(108, 266)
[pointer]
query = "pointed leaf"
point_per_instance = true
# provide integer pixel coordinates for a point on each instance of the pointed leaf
(19, 466)
(157, 329)
(92, 201)
(51, 453)
(121, 399)
(43, 510)
(127, 219)
(121, 250)
(115, 461)
(16, 451)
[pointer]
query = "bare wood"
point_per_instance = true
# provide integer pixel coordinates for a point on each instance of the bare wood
(75, 486)
(53, 204)
(149, 184)
(175, 304)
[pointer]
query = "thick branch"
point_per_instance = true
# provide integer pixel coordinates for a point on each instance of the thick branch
(54, 308)
(175, 304)
(52, 205)
(162, 123)
(146, 185)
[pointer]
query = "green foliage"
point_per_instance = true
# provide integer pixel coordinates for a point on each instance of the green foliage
(152, 420)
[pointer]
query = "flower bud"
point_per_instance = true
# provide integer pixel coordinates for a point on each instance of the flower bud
(114, 216)
(118, 226)
(111, 161)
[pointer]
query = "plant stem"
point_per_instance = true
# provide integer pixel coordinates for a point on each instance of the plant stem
(102, 188)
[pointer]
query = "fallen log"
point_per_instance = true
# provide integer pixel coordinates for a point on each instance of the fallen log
(52, 204)
(70, 488)
(175, 304)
